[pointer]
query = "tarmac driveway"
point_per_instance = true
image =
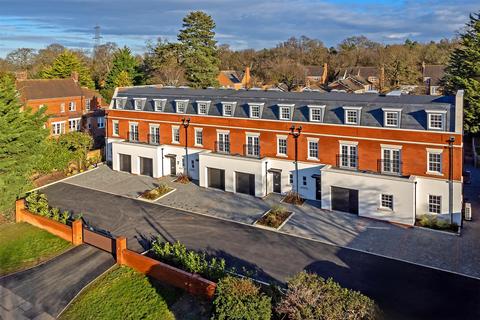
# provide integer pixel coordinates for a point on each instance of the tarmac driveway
(403, 290)
(44, 291)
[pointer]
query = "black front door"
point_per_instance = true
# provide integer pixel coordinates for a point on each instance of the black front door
(146, 166)
(245, 183)
(216, 178)
(173, 166)
(125, 163)
(345, 200)
(318, 188)
(277, 182)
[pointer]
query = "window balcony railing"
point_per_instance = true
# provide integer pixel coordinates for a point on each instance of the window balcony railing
(347, 162)
(133, 136)
(222, 147)
(393, 167)
(153, 138)
(251, 150)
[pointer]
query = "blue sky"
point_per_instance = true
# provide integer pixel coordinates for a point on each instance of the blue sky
(241, 24)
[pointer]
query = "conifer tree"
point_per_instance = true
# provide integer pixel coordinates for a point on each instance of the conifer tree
(63, 66)
(463, 72)
(22, 134)
(124, 70)
(199, 50)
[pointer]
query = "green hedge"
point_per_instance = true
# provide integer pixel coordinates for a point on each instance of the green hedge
(37, 203)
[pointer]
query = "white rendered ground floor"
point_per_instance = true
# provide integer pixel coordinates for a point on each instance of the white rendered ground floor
(391, 198)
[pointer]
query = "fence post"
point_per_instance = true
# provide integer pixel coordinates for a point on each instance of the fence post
(19, 207)
(121, 244)
(77, 232)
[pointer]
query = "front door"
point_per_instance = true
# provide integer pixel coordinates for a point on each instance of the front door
(277, 182)
(318, 190)
(173, 166)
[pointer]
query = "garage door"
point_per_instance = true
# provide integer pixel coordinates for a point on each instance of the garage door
(125, 163)
(245, 183)
(146, 166)
(345, 200)
(216, 178)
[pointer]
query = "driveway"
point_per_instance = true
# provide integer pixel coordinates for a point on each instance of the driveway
(425, 247)
(403, 290)
(45, 290)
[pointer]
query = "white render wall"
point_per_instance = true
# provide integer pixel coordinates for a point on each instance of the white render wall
(370, 187)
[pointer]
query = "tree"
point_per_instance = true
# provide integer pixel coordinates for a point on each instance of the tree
(102, 63)
(463, 72)
(47, 56)
(63, 67)
(22, 58)
(124, 69)
(21, 137)
(287, 72)
(162, 64)
(199, 51)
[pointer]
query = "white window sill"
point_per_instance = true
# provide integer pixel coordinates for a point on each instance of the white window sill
(434, 173)
(175, 142)
(198, 145)
(385, 210)
(313, 159)
(282, 155)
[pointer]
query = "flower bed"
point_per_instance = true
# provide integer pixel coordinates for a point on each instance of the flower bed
(293, 198)
(157, 192)
(182, 178)
(432, 222)
(275, 217)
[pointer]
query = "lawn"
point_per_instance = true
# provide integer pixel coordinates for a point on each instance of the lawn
(123, 293)
(23, 245)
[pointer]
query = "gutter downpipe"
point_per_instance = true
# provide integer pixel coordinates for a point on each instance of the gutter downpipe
(451, 140)
(266, 178)
(163, 173)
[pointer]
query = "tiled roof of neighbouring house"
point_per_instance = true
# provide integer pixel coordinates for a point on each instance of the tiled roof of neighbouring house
(48, 88)
(435, 73)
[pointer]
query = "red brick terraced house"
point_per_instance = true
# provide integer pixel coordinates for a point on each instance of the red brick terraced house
(392, 158)
(69, 106)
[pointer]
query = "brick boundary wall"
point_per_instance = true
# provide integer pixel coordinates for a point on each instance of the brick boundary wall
(190, 282)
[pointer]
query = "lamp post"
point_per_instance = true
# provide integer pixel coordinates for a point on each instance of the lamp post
(185, 124)
(451, 140)
(295, 133)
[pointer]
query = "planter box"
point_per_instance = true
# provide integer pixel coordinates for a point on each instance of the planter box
(256, 223)
(450, 233)
(140, 197)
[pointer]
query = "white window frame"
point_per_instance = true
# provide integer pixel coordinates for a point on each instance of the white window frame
(87, 104)
(311, 141)
(231, 106)
(391, 149)
(152, 127)
(76, 121)
(61, 128)
(430, 204)
(100, 122)
(254, 111)
(441, 113)
(349, 145)
(138, 103)
(311, 110)
(159, 104)
(252, 142)
(436, 152)
(391, 111)
(256, 105)
(183, 104)
(226, 144)
(281, 154)
(358, 114)
(72, 106)
(136, 131)
(115, 128)
(201, 104)
(120, 102)
(382, 201)
(175, 129)
(289, 108)
(198, 134)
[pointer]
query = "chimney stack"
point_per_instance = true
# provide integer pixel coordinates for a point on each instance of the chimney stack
(325, 73)
(21, 75)
(246, 78)
(75, 76)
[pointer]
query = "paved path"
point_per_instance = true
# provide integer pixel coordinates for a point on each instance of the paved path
(44, 291)
(403, 290)
(426, 247)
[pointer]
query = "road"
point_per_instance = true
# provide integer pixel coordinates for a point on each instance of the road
(403, 290)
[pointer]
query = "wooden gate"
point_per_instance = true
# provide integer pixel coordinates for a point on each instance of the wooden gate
(99, 240)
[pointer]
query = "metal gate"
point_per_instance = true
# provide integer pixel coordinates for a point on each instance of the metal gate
(99, 240)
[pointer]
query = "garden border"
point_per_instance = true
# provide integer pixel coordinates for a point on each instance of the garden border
(271, 228)
(163, 195)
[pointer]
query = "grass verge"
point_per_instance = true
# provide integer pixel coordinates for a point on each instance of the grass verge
(123, 293)
(23, 245)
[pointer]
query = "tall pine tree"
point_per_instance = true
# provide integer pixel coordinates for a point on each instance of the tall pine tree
(199, 50)
(124, 70)
(463, 72)
(63, 66)
(21, 137)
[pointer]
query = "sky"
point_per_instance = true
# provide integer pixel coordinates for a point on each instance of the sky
(240, 24)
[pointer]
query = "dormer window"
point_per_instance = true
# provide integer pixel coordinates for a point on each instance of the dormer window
(316, 113)
(255, 110)
(159, 104)
(286, 111)
(436, 120)
(120, 102)
(352, 115)
(228, 109)
(139, 103)
(391, 117)
(203, 107)
(181, 106)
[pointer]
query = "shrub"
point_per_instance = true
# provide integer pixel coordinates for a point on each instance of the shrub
(189, 260)
(431, 221)
(293, 198)
(182, 178)
(275, 217)
(157, 192)
(309, 296)
(237, 298)
(37, 203)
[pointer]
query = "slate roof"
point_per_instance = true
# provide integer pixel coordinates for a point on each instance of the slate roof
(48, 88)
(413, 114)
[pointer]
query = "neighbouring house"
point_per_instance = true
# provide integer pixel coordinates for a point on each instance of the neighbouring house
(380, 156)
(231, 79)
(316, 76)
(350, 84)
(432, 76)
(358, 79)
(69, 106)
